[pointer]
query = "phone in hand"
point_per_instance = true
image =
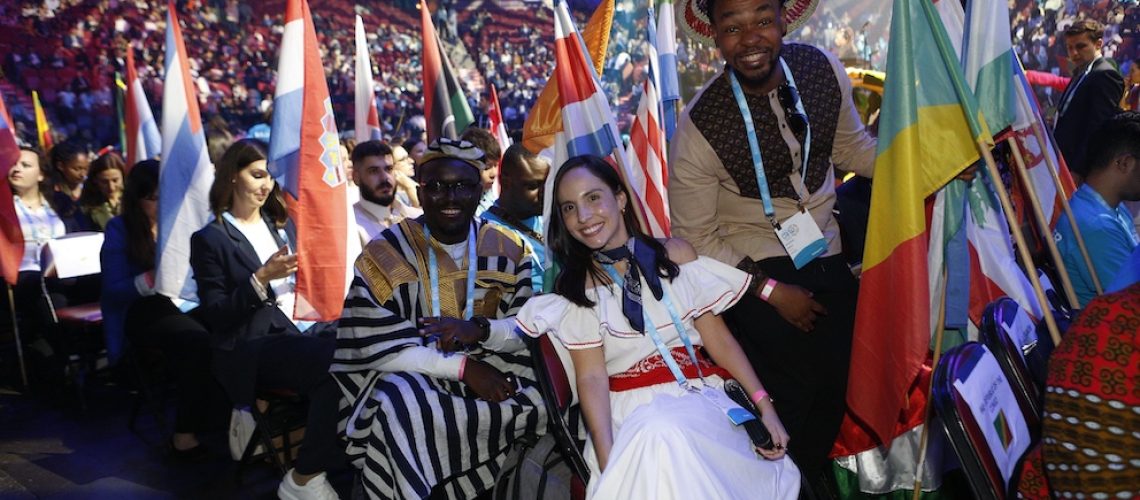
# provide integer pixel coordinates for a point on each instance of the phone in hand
(755, 428)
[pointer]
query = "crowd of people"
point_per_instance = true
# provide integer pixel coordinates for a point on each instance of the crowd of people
(713, 364)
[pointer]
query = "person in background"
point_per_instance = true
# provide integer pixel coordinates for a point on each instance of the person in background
(132, 310)
(650, 436)
(379, 207)
(1092, 96)
(69, 171)
(483, 140)
(1131, 99)
(101, 196)
(244, 272)
(519, 207)
(415, 146)
(405, 171)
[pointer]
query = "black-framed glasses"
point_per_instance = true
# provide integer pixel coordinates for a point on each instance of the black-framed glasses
(790, 99)
(461, 189)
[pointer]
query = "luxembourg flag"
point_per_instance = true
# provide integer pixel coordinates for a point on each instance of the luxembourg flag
(11, 237)
(367, 118)
(186, 173)
(143, 140)
(304, 158)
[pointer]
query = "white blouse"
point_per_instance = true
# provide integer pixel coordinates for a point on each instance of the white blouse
(38, 225)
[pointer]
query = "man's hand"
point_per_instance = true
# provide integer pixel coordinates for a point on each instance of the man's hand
(487, 382)
(452, 334)
(796, 306)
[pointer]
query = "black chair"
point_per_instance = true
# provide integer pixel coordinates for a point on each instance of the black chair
(972, 365)
(558, 395)
(278, 414)
(1021, 347)
(80, 325)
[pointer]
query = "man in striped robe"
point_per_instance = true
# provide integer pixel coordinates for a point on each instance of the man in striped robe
(437, 385)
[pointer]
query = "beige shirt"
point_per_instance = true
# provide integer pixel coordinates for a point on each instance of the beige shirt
(373, 218)
(705, 203)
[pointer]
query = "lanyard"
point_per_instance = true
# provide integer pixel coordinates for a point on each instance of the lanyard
(754, 144)
(652, 330)
(433, 274)
(40, 226)
(1068, 97)
(1122, 221)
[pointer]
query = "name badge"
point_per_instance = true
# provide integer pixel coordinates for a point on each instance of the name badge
(802, 238)
(735, 413)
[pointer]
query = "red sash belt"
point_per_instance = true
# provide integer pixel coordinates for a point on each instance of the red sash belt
(653, 370)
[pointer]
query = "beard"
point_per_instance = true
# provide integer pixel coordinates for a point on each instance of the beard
(384, 200)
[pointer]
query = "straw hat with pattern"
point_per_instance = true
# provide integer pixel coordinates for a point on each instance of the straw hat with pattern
(695, 22)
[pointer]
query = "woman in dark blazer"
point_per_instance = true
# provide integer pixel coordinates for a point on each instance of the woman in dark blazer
(244, 272)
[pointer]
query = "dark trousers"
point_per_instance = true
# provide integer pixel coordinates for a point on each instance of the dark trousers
(805, 372)
(38, 330)
(155, 323)
(301, 364)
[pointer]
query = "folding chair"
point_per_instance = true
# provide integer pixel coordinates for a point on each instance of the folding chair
(1021, 347)
(278, 415)
(558, 395)
(988, 423)
(75, 255)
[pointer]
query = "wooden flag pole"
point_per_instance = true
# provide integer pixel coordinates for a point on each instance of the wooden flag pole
(16, 333)
(1042, 223)
(1022, 247)
(1053, 173)
(939, 330)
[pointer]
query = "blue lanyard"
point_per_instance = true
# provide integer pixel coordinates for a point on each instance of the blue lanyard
(651, 329)
(754, 144)
(40, 227)
(433, 274)
(1068, 97)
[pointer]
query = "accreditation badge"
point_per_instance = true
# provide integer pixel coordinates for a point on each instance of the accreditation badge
(801, 238)
(735, 413)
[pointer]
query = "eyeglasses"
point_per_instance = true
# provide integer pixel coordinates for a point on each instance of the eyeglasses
(790, 100)
(460, 189)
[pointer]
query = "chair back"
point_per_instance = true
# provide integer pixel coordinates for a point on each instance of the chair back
(554, 380)
(1021, 347)
(984, 418)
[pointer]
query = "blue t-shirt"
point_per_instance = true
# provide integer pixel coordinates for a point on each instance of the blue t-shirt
(535, 247)
(1109, 236)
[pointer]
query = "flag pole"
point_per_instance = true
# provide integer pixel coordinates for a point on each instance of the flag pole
(1019, 238)
(984, 142)
(939, 330)
(1056, 176)
(16, 333)
(1042, 223)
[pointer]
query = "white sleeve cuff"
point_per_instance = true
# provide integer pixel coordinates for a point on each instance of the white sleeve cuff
(503, 337)
(262, 293)
(425, 360)
(145, 289)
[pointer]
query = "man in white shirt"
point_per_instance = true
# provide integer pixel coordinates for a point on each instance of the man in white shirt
(378, 208)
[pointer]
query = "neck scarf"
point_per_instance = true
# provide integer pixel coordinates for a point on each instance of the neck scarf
(641, 261)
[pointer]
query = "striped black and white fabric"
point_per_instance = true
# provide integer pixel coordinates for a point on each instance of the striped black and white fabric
(410, 432)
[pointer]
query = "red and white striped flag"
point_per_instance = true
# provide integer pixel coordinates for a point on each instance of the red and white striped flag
(367, 118)
(648, 164)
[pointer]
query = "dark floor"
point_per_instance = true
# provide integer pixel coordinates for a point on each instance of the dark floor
(51, 449)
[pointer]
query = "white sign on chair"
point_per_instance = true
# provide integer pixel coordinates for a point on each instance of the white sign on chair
(72, 255)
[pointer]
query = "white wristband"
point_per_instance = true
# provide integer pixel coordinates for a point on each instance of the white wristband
(767, 289)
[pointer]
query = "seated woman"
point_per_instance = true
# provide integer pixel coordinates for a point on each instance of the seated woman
(131, 309)
(244, 273)
(104, 189)
(651, 437)
(69, 165)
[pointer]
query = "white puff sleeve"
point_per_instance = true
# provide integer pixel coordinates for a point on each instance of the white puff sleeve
(708, 285)
(574, 326)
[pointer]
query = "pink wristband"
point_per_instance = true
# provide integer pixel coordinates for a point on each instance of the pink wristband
(462, 366)
(768, 288)
(758, 395)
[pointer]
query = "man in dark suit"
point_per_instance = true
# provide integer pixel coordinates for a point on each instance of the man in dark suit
(1092, 96)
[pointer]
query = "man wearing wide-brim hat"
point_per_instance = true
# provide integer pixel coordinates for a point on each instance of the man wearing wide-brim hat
(753, 185)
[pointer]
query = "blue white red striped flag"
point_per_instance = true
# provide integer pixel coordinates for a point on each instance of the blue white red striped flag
(305, 159)
(668, 84)
(367, 118)
(646, 149)
(11, 237)
(186, 173)
(143, 140)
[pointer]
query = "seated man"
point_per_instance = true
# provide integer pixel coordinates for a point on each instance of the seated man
(436, 383)
(519, 207)
(374, 173)
(1104, 222)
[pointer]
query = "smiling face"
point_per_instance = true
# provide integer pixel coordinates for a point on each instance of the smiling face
(749, 34)
(26, 174)
(449, 192)
(252, 186)
(590, 210)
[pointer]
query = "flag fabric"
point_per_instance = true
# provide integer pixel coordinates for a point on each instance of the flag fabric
(646, 150)
(186, 174)
(445, 106)
(1027, 127)
(43, 128)
(367, 118)
(987, 59)
(544, 120)
(11, 236)
(668, 84)
(927, 136)
(305, 159)
(497, 126)
(143, 140)
(120, 96)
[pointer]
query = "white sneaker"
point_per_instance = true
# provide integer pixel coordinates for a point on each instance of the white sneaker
(318, 488)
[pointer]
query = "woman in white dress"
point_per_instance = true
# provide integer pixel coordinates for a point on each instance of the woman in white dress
(650, 437)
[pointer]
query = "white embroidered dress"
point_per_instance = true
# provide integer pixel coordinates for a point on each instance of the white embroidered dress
(668, 443)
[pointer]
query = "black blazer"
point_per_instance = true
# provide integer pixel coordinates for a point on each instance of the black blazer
(223, 261)
(1096, 99)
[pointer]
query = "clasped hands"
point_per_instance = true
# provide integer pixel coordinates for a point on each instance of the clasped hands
(453, 334)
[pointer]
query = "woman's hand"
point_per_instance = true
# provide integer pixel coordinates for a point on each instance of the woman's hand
(772, 422)
(280, 265)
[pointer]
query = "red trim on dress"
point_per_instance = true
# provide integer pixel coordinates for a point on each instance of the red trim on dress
(652, 371)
